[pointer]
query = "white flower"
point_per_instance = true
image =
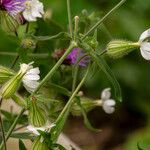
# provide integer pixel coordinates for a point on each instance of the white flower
(33, 9)
(30, 76)
(144, 45)
(34, 130)
(25, 67)
(30, 79)
(107, 103)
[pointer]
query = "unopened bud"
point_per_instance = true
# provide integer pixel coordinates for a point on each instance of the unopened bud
(39, 144)
(8, 23)
(11, 86)
(37, 115)
(28, 43)
(87, 103)
(5, 74)
(120, 48)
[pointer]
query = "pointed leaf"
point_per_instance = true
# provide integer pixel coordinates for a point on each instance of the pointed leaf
(86, 121)
(21, 145)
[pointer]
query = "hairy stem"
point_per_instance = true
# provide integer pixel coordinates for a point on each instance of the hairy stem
(64, 114)
(69, 18)
(36, 55)
(52, 71)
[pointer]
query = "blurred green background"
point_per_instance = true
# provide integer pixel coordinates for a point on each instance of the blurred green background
(129, 126)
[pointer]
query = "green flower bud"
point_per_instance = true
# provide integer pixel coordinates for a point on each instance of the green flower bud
(5, 74)
(11, 86)
(87, 103)
(28, 43)
(8, 23)
(37, 115)
(39, 144)
(120, 48)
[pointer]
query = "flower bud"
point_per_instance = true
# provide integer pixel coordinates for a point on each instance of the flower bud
(39, 144)
(28, 43)
(8, 23)
(87, 103)
(11, 86)
(5, 74)
(37, 115)
(120, 48)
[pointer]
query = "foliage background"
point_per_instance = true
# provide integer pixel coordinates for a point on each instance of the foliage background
(130, 123)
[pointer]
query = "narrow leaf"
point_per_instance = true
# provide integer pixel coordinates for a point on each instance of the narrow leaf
(106, 69)
(21, 145)
(86, 121)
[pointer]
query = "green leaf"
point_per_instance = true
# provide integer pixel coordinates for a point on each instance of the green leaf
(21, 145)
(61, 35)
(25, 135)
(138, 146)
(86, 121)
(60, 89)
(111, 77)
(105, 68)
(60, 147)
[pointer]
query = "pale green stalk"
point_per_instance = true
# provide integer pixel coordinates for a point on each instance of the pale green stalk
(53, 70)
(64, 114)
(69, 18)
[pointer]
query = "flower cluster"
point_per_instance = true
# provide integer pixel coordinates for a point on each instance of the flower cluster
(29, 9)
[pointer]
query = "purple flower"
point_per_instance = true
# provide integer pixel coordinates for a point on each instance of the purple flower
(13, 7)
(77, 55)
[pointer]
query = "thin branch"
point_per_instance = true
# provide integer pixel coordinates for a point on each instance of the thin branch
(103, 19)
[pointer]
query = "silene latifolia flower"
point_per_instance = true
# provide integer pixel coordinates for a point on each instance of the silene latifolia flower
(107, 103)
(145, 44)
(33, 9)
(27, 74)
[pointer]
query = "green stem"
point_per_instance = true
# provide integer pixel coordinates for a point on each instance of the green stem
(14, 62)
(69, 18)
(46, 38)
(36, 55)
(12, 127)
(76, 27)
(103, 19)
(2, 128)
(52, 71)
(64, 114)
(75, 75)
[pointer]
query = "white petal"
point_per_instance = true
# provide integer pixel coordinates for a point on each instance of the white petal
(105, 95)
(34, 71)
(33, 10)
(31, 77)
(32, 84)
(145, 50)
(110, 102)
(108, 106)
(144, 35)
